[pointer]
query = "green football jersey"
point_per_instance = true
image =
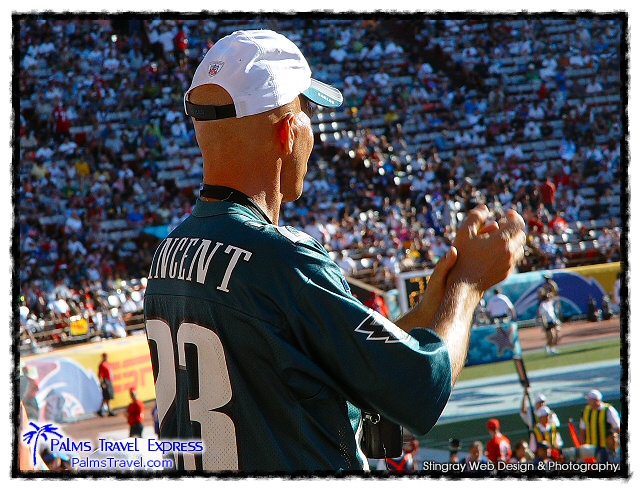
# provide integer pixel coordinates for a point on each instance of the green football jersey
(260, 351)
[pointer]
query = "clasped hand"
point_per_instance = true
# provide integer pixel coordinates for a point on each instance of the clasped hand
(482, 254)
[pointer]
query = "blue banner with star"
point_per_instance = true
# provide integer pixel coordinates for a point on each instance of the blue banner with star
(493, 343)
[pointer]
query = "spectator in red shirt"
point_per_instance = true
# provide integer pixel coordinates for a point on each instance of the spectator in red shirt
(548, 194)
(535, 225)
(135, 415)
(499, 446)
(61, 123)
(560, 179)
(376, 302)
(180, 43)
(558, 224)
(105, 376)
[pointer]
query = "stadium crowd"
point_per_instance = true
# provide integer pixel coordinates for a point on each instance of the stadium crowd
(440, 114)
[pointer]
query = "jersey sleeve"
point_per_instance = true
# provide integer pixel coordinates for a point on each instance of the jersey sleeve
(373, 363)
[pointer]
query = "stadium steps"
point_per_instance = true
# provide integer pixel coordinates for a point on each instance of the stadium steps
(170, 175)
(111, 225)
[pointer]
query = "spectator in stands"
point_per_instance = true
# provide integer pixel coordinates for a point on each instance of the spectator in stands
(558, 224)
(139, 67)
(532, 130)
(114, 327)
(593, 87)
(338, 53)
(548, 194)
(346, 263)
(73, 224)
(605, 242)
(129, 307)
(477, 456)
(60, 120)
(180, 44)
(135, 217)
(521, 453)
(75, 246)
(514, 151)
(598, 208)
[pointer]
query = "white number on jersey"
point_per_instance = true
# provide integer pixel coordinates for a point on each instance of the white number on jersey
(214, 387)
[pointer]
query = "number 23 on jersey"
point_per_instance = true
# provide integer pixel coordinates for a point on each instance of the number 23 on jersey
(217, 429)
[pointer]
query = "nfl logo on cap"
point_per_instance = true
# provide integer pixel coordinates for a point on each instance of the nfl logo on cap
(215, 67)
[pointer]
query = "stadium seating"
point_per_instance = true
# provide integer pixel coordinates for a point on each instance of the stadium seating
(426, 134)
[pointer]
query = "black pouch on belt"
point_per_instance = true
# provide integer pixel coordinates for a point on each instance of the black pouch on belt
(381, 438)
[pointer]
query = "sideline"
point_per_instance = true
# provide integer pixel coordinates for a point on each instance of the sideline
(501, 395)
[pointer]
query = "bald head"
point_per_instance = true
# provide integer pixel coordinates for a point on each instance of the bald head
(230, 138)
(264, 154)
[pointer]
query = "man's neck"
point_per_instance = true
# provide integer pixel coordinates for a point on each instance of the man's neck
(269, 205)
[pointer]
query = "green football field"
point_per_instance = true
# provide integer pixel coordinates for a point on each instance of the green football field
(538, 359)
(512, 425)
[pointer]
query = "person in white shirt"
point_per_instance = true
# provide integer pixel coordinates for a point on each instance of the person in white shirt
(549, 322)
(529, 417)
(513, 151)
(338, 53)
(346, 263)
(317, 230)
(593, 87)
(500, 306)
(532, 130)
(73, 223)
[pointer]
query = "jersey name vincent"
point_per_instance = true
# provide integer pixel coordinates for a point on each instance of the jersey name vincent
(189, 259)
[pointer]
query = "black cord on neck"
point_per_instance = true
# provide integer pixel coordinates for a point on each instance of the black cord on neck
(223, 193)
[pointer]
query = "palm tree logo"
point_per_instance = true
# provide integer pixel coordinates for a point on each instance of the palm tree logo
(34, 435)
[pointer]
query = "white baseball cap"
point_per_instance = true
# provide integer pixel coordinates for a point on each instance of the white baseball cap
(594, 395)
(542, 411)
(540, 398)
(261, 70)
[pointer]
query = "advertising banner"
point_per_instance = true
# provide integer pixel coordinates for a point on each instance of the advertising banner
(576, 287)
(63, 384)
(493, 343)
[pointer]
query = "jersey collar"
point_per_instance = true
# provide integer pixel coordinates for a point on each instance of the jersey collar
(204, 209)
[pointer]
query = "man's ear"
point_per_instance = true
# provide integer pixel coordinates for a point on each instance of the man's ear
(285, 133)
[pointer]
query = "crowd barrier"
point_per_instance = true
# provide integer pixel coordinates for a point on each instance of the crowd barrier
(576, 286)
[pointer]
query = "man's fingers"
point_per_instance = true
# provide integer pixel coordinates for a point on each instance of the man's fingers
(489, 228)
(475, 219)
(512, 215)
(513, 225)
(450, 258)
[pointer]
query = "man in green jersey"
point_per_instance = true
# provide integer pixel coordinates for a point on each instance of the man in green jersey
(259, 350)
